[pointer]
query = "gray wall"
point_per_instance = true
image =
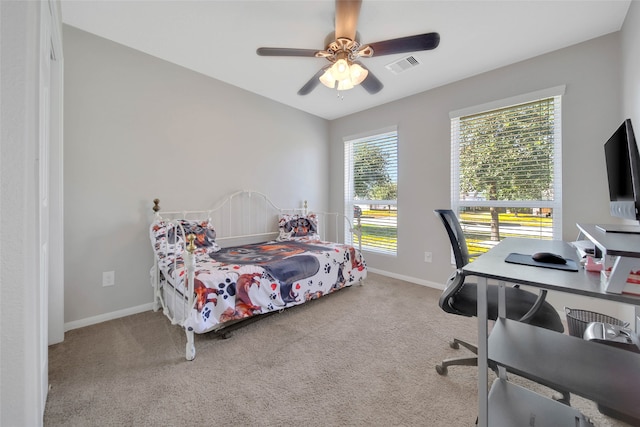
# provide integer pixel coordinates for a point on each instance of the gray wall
(137, 128)
(591, 111)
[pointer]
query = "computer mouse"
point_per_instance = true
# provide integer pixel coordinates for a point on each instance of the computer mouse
(548, 257)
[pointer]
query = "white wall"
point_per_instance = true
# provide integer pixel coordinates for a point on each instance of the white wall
(591, 111)
(22, 337)
(137, 128)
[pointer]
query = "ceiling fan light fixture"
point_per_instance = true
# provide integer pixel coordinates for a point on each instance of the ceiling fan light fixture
(340, 70)
(345, 74)
(357, 74)
(327, 79)
(345, 84)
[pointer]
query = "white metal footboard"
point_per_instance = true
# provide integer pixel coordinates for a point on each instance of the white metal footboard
(177, 305)
(243, 217)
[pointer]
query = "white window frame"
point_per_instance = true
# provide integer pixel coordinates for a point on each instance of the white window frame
(349, 184)
(556, 204)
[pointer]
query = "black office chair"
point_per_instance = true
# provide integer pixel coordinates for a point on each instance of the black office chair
(460, 297)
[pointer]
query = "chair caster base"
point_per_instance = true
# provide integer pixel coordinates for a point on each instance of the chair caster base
(442, 370)
(563, 398)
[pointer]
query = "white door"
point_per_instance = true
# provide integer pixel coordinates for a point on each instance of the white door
(56, 185)
(43, 197)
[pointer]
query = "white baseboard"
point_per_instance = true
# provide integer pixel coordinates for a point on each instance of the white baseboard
(107, 316)
(407, 278)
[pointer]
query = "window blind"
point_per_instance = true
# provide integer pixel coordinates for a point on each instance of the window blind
(506, 172)
(371, 181)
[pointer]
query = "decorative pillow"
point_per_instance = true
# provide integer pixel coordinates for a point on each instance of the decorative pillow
(298, 227)
(164, 250)
(163, 237)
(204, 231)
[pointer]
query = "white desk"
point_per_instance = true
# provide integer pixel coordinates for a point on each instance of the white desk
(605, 374)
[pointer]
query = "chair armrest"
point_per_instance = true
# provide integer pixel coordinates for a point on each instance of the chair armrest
(453, 285)
(535, 307)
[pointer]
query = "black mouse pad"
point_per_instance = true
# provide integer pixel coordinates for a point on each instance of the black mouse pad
(525, 259)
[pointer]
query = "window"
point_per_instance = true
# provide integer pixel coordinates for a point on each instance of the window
(371, 188)
(506, 170)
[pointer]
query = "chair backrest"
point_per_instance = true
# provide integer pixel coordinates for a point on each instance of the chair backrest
(456, 236)
(461, 254)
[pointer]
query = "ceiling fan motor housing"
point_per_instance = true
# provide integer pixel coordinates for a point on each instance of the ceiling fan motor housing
(344, 48)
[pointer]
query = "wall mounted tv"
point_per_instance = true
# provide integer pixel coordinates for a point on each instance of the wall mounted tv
(623, 173)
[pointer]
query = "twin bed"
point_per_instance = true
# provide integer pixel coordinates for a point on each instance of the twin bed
(220, 269)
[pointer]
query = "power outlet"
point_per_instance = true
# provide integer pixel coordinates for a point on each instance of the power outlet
(108, 278)
(428, 257)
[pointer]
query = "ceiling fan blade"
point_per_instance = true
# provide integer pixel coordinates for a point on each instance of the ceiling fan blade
(284, 51)
(371, 84)
(347, 13)
(313, 82)
(415, 43)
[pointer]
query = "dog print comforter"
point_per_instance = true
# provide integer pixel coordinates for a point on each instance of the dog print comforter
(243, 281)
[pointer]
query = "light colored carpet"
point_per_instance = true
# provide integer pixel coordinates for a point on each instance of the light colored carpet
(362, 356)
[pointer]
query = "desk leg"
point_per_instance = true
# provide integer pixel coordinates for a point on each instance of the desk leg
(502, 313)
(483, 405)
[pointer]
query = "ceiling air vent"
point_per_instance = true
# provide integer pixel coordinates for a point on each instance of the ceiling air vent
(402, 65)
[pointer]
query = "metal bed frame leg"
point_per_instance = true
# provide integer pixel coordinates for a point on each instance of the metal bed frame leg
(155, 281)
(190, 351)
(190, 264)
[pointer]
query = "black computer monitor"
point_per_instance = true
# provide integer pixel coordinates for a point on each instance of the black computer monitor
(623, 172)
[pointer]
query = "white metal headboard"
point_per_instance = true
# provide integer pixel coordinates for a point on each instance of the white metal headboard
(251, 217)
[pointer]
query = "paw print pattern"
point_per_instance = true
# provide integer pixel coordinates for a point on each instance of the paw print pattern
(206, 312)
(320, 284)
(327, 268)
(310, 283)
(227, 288)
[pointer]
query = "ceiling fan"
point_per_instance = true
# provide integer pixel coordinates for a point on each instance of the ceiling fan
(343, 49)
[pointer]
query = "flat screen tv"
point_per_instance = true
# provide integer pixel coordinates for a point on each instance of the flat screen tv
(623, 173)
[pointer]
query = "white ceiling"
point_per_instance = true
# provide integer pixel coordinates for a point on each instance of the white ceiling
(219, 39)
